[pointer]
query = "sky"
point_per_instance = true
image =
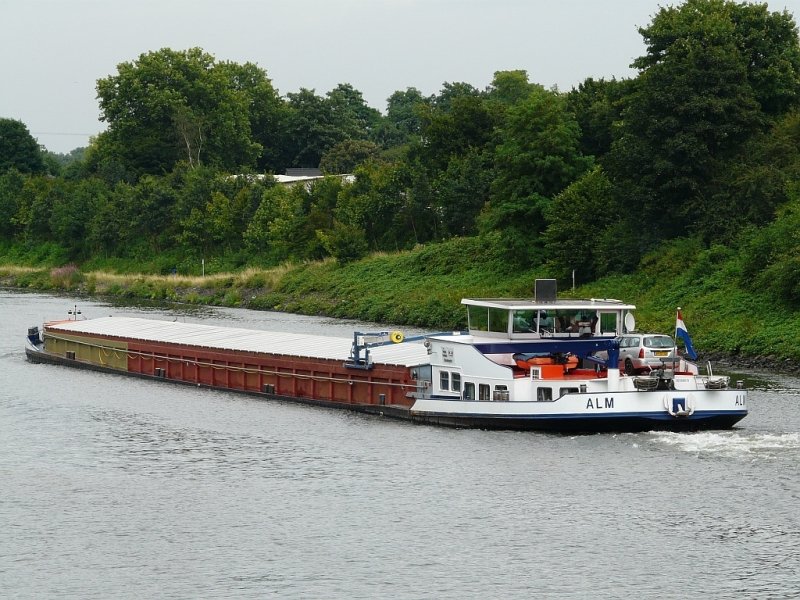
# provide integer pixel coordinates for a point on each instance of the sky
(52, 52)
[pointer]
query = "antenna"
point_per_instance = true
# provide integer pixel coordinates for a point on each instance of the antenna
(74, 312)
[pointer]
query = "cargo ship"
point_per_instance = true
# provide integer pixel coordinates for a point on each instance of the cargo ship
(543, 364)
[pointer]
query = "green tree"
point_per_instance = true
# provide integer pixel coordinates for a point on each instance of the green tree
(321, 202)
(536, 159)
(511, 87)
(539, 149)
(699, 32)
(756, 184)
(152, 215)
(18, 149)
(715, 73)
(109, 231)
(461, 191)
(72, 209)
(311, 130)
(345, 156)
(267, 112)
(217, 227)
(582, 232)
(374, 203)
(452, 90)
(351, 113)
(287, 234)
(403, 122)
(169, 106)
(597, 106)
(771, 255)
(11, 185)
(34, 209)
(453, 128)
(285, 226)
(345, 243)
(317, 124)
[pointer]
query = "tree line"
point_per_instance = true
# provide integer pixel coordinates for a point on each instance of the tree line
(703, 142)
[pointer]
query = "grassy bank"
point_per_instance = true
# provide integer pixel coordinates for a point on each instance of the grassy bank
(423, 287)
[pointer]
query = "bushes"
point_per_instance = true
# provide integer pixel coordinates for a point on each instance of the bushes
(66, 277)
(770, 257)
(423, 287)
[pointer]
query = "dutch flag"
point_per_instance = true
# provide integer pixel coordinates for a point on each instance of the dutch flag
(683, 333)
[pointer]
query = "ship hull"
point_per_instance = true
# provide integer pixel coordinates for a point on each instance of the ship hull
(581, 424)
(458, 416)
(394, 381)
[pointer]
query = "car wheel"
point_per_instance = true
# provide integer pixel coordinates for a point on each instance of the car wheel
(629, 370)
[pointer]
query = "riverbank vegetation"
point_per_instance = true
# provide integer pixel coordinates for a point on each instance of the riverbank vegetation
(423, 287)
(678, 187)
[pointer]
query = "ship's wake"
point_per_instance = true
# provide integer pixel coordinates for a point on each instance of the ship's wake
(734, 444)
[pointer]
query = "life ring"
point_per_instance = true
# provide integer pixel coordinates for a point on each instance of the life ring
(676, 409)
(396, 337)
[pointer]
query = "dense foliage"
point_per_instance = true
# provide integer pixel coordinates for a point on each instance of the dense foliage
(703, 145)
(18, 149)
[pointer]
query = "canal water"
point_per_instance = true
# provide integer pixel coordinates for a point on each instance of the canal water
(113, 487)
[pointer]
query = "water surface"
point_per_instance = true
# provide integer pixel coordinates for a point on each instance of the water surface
(113, 487)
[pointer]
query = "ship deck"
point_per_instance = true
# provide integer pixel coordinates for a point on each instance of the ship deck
(233, 339)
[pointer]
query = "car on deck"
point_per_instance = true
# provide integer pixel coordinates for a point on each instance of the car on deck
(644, 352)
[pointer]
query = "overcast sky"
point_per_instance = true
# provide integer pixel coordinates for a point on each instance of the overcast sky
(52, 52)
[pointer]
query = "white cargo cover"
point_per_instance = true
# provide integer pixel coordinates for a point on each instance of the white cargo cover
(407, 354)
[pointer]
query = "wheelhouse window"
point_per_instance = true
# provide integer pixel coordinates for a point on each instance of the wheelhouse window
(483, 392)
(455, 382)
(547, 322)
(574, 321)
(524, 321)
(478, 318)
(498, 320)
(608, 323)
(491, 319)
(544, 394)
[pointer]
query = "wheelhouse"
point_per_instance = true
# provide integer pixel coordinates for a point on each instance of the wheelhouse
(528, 320)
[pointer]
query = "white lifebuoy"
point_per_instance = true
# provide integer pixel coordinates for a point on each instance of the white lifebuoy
(396, 337)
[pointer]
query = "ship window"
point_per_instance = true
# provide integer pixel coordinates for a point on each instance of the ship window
(498, 320)
(478, 318)
(544, 394)
(568, 390)
(455, 378)
(444, 380)
(483, 392)
(608, 323)
(469, 391)
(501, 393)
(523, 321)
(547, 323)
(574, 321)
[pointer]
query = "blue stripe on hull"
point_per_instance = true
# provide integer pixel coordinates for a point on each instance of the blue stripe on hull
(630, 422)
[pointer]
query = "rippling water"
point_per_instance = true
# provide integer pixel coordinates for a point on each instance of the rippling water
(113, 487)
